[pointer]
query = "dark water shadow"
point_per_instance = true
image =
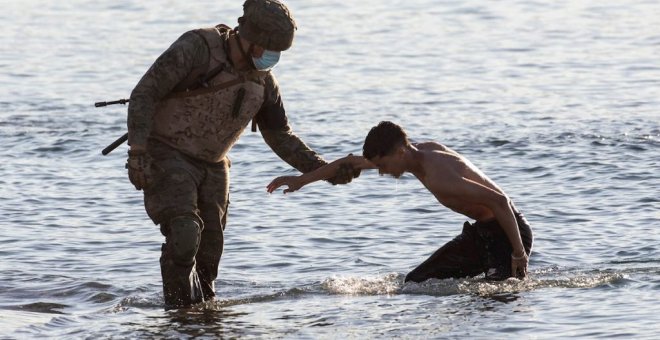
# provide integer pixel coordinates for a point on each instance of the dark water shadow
(206, 321)
(40, 307)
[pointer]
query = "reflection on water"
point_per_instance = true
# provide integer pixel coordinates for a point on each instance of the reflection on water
(197, 322)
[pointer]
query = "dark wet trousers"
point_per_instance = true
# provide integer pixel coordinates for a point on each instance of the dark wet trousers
(482, 247)
(181, 284)
(189, 199)
(185, 284)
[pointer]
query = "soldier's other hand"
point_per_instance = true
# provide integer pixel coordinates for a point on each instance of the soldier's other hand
(138, 165)
(345, 173)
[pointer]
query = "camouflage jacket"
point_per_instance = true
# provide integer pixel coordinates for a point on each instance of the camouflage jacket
(188, 53)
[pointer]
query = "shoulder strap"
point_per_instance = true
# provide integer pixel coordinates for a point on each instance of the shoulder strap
(200, 75)
(251, 76)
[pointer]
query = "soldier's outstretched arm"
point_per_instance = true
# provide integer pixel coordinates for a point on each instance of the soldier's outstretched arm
(294, 151)
(274, 126)
(291, 149)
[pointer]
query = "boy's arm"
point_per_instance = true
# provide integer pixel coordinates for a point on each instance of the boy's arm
(324, 172)
(500, 205)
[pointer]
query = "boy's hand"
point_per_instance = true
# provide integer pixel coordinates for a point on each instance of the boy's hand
(519, 265)
(293, 183)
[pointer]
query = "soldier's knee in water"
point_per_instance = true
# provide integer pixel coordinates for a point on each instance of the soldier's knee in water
(184, 233)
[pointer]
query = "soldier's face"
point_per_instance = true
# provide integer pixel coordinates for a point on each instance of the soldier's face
(263, 59)
(251, 49)
(257, 51)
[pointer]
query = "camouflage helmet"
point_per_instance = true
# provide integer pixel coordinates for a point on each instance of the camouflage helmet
(267, 23)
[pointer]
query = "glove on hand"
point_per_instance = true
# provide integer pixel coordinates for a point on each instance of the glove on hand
(139, 168)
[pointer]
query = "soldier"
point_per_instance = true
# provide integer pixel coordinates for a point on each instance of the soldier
(185, 114)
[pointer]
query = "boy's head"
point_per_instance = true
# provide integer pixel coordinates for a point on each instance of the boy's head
(381, 146)
(383, 139)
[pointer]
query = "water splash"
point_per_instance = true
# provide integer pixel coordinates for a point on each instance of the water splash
(393, 284)
(387, 284)
(479, 286)
(138, 302)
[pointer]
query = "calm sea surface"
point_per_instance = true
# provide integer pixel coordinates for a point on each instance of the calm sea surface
(557, 101)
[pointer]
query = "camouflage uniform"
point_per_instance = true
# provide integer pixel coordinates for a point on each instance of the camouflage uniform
(188, 195)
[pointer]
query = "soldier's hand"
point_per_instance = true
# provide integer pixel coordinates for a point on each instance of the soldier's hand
(139, 166)
(345, 174)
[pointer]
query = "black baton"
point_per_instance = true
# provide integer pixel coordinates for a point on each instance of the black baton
(119, 140)
(120, 101)
(115, 144)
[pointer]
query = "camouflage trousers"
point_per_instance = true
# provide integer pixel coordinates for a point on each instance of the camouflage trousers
(182, 186)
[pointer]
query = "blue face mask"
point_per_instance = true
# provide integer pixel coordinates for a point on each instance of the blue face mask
(267, 60)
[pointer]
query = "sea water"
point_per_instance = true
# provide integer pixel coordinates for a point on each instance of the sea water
(558, 102)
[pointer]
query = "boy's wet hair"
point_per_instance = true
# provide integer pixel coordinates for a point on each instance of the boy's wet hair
(383, 139)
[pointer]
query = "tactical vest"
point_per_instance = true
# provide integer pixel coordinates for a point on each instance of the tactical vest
(206, 122)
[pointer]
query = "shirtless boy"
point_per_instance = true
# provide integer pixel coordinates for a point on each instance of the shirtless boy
(498, 243)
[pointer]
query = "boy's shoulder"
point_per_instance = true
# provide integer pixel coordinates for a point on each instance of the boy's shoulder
(430, 146)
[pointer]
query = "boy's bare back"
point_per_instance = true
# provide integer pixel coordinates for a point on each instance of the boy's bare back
(452, 178)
